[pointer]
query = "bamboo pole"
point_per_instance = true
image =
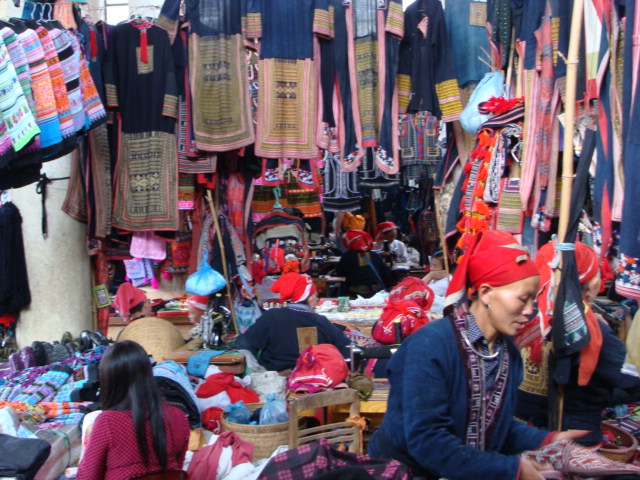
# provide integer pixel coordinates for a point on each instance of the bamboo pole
(223, 254)
(568, 154)
(443, 240)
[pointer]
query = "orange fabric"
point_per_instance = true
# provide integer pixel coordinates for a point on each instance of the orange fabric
(591, 352)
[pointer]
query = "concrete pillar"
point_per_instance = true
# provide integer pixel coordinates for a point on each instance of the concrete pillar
(58, 267)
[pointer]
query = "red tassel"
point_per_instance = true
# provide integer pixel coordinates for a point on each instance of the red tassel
(144, 56)
(93, 42)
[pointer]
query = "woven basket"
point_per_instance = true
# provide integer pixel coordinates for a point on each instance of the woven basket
(265, 438)
(157, 336)
(628, 444)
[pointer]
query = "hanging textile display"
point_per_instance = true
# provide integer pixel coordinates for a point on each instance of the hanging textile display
(628, 270)
(139, 73)
(14, 282)
(218, 75)
(288, 79)
(374, 31)
(341, 188)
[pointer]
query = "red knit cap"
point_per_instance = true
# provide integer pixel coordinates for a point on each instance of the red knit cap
(294, 287)
(128, 297)
(493, 258)
(384, 227)
(357, 240)
(199, 302)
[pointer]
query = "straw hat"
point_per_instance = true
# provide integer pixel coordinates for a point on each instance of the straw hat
(157, 336)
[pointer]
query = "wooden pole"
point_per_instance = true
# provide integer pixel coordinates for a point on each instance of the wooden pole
(223, 255)
(568, 154)
(443, 240)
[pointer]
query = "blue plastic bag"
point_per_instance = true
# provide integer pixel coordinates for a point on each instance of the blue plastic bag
(237, 413)
(274, 411)
(205, 281)
(492, 85)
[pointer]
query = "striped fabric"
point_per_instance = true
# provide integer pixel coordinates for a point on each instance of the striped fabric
(46, 112)
(395, 19)
(323, 22)
(57, 82)
(449, 100)
(19, 61)
(254, 25)
(90, 97)
(14, 110)
(509, 212)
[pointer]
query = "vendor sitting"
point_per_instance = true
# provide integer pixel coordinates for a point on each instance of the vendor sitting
(131, 302)
(387, 234)
(365, 271)
(281, 334)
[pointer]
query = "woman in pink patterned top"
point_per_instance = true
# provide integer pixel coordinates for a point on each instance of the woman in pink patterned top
(137, 433)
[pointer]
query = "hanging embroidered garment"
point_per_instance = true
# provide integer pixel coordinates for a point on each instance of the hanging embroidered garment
(426, 73)
(418, 143)
(628, 270)
(286, 126)
(218, 75)
(340, 188)
(374, 28)
(140, 82)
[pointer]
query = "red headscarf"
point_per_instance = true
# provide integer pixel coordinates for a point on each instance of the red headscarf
(128, 297)
(357, 240)
(587, 265)
(294, 287)
(199, 302)
(491, 257)
(383, 228)
(415, 289)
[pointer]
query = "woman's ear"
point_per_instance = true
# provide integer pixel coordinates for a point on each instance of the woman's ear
(484, 294)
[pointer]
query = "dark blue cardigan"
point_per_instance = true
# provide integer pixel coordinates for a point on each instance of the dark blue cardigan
(426, 417)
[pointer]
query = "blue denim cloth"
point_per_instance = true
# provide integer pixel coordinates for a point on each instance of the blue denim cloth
(465, 41)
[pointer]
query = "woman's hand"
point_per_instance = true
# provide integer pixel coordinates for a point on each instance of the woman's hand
(569, 435)
(530, 470)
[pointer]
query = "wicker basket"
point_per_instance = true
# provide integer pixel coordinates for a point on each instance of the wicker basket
(265, 438)
(628, 444)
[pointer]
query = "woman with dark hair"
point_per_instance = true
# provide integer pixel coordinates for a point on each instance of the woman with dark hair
(137, 432)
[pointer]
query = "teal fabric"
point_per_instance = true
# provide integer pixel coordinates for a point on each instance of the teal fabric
(197, 364)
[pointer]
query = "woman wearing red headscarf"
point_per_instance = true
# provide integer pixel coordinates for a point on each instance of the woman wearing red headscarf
(599, 377)
(365, 271)
(454, 381)
(281, 334)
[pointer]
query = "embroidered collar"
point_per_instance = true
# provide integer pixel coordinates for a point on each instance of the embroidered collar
(300, 306)
(476, 337)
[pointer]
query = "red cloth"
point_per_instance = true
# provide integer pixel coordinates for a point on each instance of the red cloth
(490, 257)
(113, 454)
(357, 240)
(294, 287)
(199, 302)
(413, 288)
(224, 382)
(204, 464)
(144, 56)
(127, 297)
(587, 265)
(211, 419)
(383, 228)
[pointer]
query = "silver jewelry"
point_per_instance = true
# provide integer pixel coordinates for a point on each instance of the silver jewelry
(494, 355)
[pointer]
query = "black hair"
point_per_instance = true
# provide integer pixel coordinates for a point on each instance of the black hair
(137, 308)
(127, 383)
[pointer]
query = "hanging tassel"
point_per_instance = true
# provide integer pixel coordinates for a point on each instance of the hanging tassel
(144, 55)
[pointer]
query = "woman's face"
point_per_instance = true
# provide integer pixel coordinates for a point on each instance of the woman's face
(591, 289)
(508, 307)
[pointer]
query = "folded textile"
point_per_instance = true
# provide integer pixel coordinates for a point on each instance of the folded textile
(45, 386)
(22, 457)
(225, 381)
(568, 458)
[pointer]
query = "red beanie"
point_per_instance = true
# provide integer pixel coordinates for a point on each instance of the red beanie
(294, 287)
(357, 240)
(128, 297)
(384, 227)
(199, 302)
(491, 257)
